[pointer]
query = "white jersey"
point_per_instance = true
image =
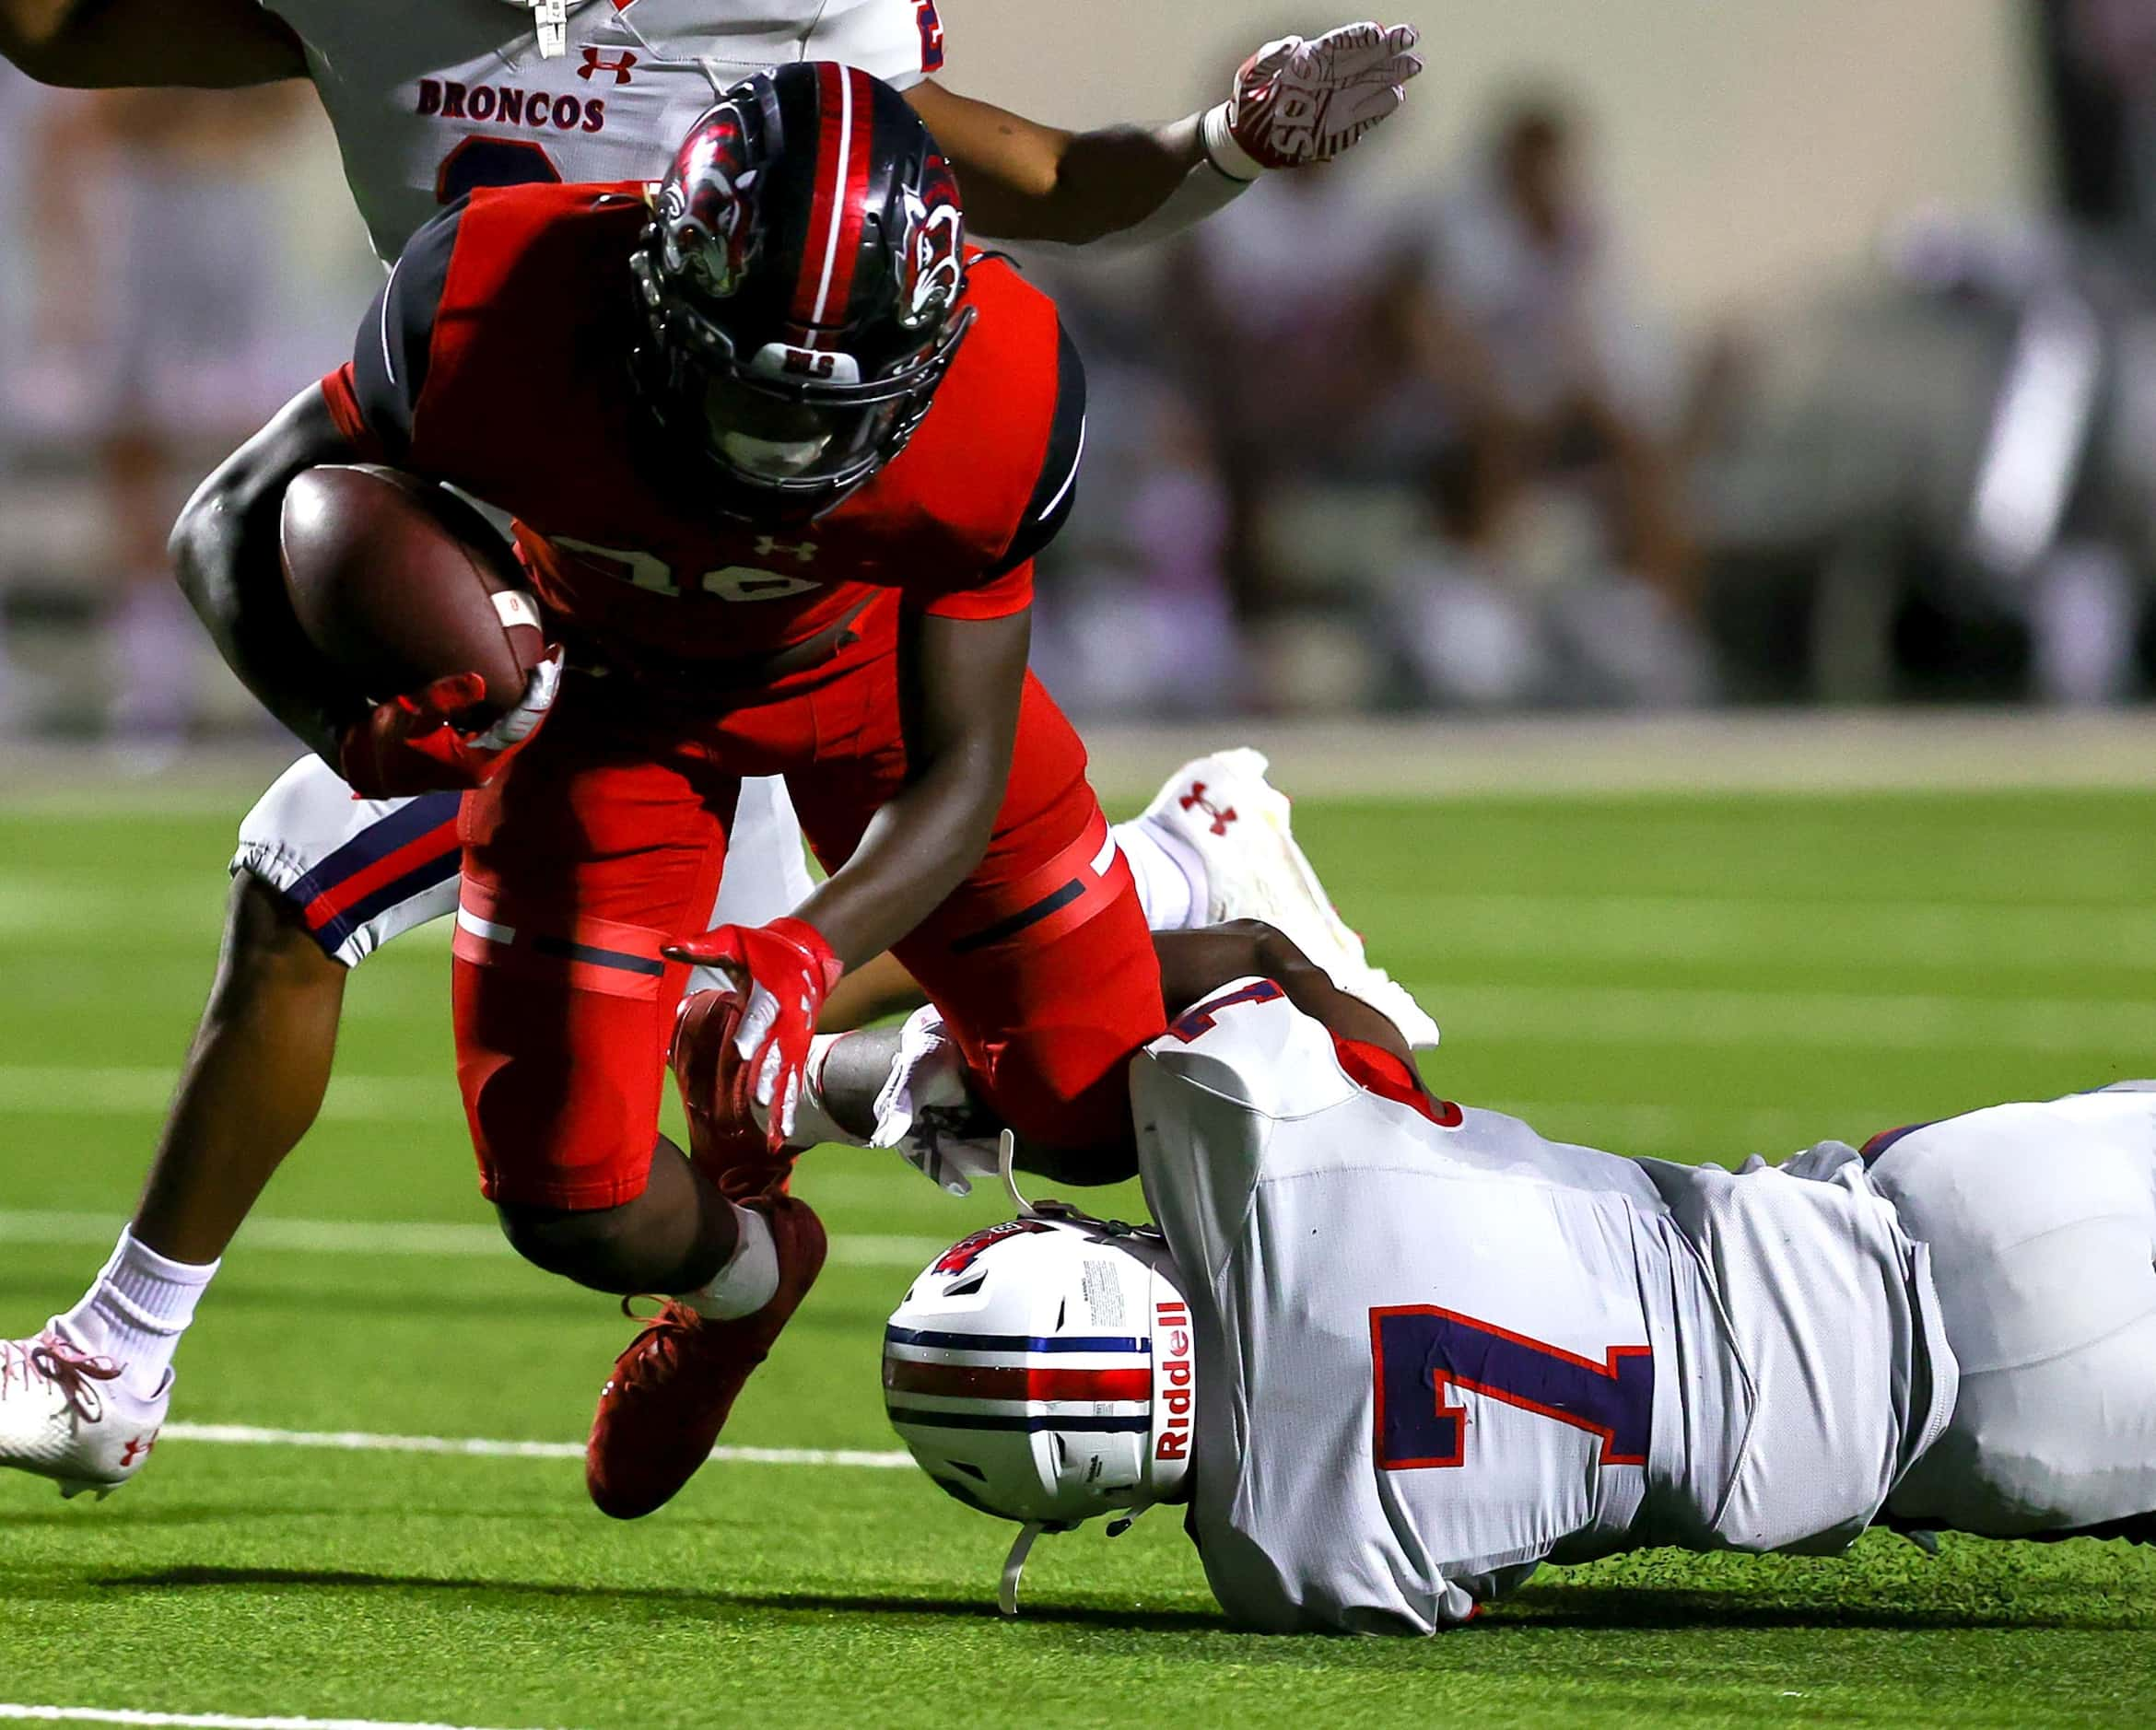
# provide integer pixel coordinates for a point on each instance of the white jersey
(433, 98)
(1447, 1349)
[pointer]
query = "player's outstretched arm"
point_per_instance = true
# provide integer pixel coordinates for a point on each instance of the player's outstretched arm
(1193, 964)
(225, 553)
(960, 682)
(99, 44)
(1292, 103)
(959, 685)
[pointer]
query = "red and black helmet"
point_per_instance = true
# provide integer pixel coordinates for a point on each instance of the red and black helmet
(802, 278)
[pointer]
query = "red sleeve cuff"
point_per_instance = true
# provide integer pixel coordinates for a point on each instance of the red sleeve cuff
(343, 397)
(998, 598)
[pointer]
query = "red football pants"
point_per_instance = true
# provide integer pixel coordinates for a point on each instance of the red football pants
(604, 839)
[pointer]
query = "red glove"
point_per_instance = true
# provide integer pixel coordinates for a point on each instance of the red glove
(408, 744)
(784, 971)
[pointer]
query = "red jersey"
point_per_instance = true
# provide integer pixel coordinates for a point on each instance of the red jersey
(497, 359)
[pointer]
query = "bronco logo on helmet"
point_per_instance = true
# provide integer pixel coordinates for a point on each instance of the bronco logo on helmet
(934, 249)
(710, 231)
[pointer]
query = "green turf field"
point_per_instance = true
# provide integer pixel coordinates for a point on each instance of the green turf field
(1697, 978)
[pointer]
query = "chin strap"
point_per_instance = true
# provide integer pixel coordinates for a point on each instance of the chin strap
(1014, 1565)
(1022, 1547)
(1006, 1154)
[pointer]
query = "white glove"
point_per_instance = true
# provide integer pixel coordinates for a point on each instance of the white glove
(925, 1112)
(542, 686)
(1296, 101)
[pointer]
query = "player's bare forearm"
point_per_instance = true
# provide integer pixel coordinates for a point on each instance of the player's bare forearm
(960, 682)
(225, 554)
(1193, 964)
(1291, 103)
(103, 44)
(869, 993)
(1026, 182)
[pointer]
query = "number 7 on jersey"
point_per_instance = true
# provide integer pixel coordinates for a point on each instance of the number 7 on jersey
(1418, 1352)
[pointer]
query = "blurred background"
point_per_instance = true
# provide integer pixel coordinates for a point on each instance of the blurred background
(1663, 354)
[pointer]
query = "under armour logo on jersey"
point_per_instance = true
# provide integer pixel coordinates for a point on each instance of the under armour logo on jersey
(1195, 800)
(593, 66)
(138, 1449)
(770, 545)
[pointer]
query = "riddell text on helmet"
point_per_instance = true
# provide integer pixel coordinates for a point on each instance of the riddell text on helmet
(1172, 1375)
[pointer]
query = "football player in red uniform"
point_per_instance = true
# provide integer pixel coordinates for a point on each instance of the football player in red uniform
(444, 100)
(785, 351)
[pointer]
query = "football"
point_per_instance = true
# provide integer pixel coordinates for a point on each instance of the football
(400, 582)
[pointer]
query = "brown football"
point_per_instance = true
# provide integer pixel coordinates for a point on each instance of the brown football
(396, 580)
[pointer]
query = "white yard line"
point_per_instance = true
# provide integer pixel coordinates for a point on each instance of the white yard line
(1837, 1021)
(362, 1442)
(1764, 930)
(200, 1720)
(1567, 1014)
(1789, 751)
(319, 1237)
(113, 1092)
(406, 1237)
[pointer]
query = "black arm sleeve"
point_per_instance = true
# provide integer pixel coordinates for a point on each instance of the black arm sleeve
(390, 354)
(1053, 494)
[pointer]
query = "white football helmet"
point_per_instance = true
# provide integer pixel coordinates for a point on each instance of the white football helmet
(1044, 1371)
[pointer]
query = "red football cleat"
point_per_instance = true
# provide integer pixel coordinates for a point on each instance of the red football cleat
(725, 1142)
(675, 1384)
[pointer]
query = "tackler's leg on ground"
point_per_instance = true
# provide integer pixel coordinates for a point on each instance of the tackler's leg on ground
(2041, 1220)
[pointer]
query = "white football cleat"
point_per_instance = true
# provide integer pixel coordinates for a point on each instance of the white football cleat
(64, 1414)
(1224, 809)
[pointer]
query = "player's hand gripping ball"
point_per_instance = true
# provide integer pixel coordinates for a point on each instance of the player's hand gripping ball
(406, 590)
(783, 971)
(414, 745)
(1296, 102)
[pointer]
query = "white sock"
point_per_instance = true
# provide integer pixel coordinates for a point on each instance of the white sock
(749, 1280)
(136, 1311)
(1171, 877)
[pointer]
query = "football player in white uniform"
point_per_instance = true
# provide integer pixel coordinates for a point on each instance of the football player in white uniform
(429, 99)
(1394, 1353)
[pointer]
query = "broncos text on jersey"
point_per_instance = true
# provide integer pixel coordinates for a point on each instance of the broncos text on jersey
(431, 98)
